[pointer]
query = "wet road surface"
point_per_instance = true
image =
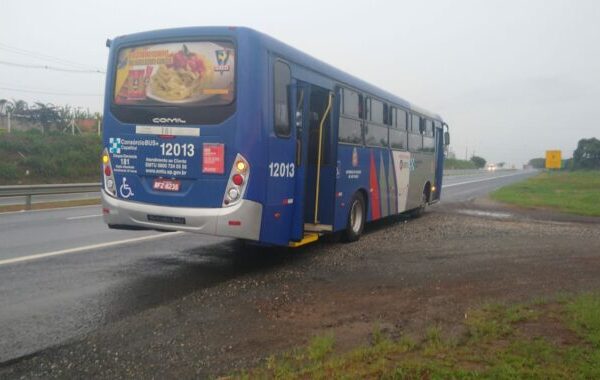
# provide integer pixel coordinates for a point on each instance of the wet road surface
(63, 273)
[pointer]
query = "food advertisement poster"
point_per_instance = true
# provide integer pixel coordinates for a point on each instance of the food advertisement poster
(194, 73)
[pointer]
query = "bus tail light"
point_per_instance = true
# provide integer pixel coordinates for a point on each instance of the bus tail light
(109, 177)
(238, 181)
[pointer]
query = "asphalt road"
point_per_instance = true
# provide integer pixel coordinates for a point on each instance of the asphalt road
(63, 273)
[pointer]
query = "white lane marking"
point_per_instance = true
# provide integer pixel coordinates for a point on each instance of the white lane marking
(479, 180)
(49, 209)
(83, 217)
(86, 248)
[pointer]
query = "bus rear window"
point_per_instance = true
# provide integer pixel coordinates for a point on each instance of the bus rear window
(194, 73)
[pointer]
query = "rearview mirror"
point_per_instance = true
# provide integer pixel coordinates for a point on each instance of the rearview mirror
(446, 138)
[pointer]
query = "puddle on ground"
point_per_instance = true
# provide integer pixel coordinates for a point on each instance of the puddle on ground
(489, 214)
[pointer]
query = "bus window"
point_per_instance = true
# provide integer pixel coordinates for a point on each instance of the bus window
(282, 77)
(350, 130)
(150, 81)
(386, 115)
(428, 140)
(415, 124)
(415, 138)
(427, 128)
(376, 132)
(376, 111)
(401, 120)
(350, 103)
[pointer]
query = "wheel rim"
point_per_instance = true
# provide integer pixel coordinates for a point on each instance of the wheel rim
(356, 216)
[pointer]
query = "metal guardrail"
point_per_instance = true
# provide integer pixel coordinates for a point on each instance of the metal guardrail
(453, 172)
(28, 191)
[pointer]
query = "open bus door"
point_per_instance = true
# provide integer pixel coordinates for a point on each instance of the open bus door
(299, 94)
(315, 180)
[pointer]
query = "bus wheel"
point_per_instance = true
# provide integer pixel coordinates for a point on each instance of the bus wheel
(421, 209)
(356, 218)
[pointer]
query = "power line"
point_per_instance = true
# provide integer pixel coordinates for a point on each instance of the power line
(46, 67)
(47, 92)
(29, 53)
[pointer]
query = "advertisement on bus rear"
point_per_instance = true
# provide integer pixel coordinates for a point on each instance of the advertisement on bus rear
(179, 73)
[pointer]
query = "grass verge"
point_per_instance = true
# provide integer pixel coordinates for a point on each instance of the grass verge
(575, 192)
(541, 340)
(31, 157)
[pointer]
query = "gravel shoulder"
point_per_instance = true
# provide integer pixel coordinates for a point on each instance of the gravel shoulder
(403, 276)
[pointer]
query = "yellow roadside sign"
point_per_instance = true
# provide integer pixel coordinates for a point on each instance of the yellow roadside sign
(553, 159)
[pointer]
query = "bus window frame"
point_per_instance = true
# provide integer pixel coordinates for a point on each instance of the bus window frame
(273, 84)
(428, 133)
(122, 112)
(216, 39)
(395, 127)
(368, 120)
(412, 131)
(361, 112)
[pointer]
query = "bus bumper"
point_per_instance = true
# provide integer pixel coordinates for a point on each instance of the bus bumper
(240, 221)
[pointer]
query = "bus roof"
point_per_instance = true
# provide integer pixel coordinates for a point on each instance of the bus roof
(282, 49)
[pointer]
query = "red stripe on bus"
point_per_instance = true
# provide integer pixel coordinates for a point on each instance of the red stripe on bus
(374, 190)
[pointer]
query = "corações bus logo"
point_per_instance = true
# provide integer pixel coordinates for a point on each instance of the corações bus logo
(222, 57)
(168, 120)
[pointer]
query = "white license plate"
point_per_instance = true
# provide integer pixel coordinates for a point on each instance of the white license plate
(166, 185)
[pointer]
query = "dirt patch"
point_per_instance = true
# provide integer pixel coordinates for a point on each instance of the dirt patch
(550, 325)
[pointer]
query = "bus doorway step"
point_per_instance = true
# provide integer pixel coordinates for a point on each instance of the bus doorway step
(308, 238)
(318, 227)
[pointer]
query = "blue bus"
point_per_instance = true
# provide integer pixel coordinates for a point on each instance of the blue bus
(227, 131)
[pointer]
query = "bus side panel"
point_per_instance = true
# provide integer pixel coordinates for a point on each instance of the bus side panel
(280, 174)
(402, 170)
(422, 167)
(439, 166)
(367, 170)
(279, 206)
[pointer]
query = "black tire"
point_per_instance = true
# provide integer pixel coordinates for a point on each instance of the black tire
(419, 211)
(357, 216)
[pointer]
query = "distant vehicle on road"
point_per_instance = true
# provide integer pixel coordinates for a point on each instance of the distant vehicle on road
(227, 131)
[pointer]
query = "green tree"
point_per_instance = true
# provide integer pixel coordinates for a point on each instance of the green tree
(538, 163)
(5, 106)
(478, 161)
(20, 107)
(45, 114)
(587, 154)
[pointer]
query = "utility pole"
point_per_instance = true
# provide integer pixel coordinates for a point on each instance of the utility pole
(8, 120)
(73, 127)
(98, 127)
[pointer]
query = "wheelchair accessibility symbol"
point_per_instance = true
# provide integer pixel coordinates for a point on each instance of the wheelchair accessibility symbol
(125, 189)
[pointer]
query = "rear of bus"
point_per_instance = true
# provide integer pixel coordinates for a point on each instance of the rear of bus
(175, 156)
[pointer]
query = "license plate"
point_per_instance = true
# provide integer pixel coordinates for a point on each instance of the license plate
(166, 185)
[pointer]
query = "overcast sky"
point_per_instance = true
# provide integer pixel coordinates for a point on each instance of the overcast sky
(512, 78)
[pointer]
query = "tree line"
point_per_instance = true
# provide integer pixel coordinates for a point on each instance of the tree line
(586, 156)
(48, 115)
